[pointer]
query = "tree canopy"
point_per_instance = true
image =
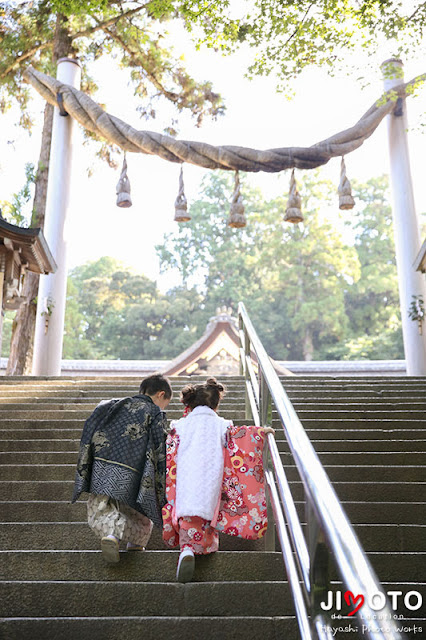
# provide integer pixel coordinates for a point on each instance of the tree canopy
(289, 36)
(125, 30)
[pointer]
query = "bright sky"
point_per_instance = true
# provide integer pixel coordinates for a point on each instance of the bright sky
(256, 116)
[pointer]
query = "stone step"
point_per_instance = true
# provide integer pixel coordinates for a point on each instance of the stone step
(25, 490)
(351, 457)
(71, 430)
(400, 458)
(360, 416)
(76, 536)
(349, 425)
(77, 414)
(353, 395)
(336, 472)
(150, 628)
(326, 446)
(144, 598)
(82, 408)
(358, 511)
(346, 429)
(147, 566)
(388, 407)
(160, 566)
(176, 628)
(346, 445)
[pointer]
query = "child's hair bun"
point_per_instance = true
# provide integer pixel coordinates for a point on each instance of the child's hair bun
(188, 393)
(212, 382)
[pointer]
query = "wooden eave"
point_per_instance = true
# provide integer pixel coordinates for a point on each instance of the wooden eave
(32, 245)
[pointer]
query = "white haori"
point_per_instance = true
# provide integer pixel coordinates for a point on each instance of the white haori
(199, 473)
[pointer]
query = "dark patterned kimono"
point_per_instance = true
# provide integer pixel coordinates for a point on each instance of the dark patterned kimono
(123, 455)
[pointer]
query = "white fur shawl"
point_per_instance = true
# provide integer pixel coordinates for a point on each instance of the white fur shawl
(199, 470)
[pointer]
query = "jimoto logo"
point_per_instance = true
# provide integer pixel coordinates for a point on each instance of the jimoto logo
(412, 601)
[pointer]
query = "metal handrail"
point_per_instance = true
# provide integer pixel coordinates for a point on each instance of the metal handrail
(327, 516)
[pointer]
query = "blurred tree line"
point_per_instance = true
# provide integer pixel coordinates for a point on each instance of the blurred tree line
(313, 291)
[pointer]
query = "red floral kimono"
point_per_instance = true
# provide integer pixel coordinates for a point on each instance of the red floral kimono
(242, 507)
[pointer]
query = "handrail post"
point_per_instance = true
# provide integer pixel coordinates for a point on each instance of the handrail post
(319, 564)
(246, 347)
(265, 414)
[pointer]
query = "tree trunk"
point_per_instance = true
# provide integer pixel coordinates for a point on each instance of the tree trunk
(22, 342)
(308, 347)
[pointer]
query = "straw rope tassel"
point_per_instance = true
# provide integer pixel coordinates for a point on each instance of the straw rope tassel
(346, 200)
(237, 218)
(293, 212)
(181, 204)
(123, 188)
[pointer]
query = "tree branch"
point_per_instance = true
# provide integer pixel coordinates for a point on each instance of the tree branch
(108, 23)
(26, 55)
(421, 6)
(157, 84)
(300, 24)
(79, 34)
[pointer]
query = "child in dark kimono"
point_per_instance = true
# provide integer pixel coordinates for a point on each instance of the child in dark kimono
(122, 465)
(214, 478)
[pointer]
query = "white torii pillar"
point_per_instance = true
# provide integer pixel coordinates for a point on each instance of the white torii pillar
(406, 224)
(53, 287)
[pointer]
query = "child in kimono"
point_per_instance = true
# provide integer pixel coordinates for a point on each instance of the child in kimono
(122, 465)
(205, 496)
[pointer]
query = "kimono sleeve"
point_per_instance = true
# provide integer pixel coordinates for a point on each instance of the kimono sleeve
(242, 510)
(85, 456)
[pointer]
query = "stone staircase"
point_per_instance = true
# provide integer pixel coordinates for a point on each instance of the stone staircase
(369, 434)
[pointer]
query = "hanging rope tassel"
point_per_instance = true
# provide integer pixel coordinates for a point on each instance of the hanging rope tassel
(293, 212)
(123, 188)
(181, 204)
(237, 218)
(346, 200)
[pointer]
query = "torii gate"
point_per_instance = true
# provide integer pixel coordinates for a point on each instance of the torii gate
(63, 93)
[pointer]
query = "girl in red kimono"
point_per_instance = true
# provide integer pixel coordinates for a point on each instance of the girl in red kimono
(214, 479)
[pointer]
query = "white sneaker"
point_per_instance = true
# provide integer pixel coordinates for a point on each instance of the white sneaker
(186, 565)
(110, 549)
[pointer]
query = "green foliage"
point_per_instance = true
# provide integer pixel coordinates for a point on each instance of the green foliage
(14, 211)
(36, 32)
(77, 7)
(113, 313)
(373, 302)
(289, 36)
(297, 275)
(309, 294)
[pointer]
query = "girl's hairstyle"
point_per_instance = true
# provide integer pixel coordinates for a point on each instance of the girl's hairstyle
(208, 394)
(155, 383)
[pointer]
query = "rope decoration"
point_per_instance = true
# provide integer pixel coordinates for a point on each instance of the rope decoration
(237, 218)
(344, 190)
(123, 188)
(293, 212)
(91, 116)
(181, 204)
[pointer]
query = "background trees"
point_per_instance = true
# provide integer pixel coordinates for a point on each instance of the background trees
(312, 290)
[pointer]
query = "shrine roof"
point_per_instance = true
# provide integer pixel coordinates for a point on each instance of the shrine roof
(221, 333)
(32, 245)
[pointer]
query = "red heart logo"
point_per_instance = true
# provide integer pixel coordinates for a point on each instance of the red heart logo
(352, 600)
